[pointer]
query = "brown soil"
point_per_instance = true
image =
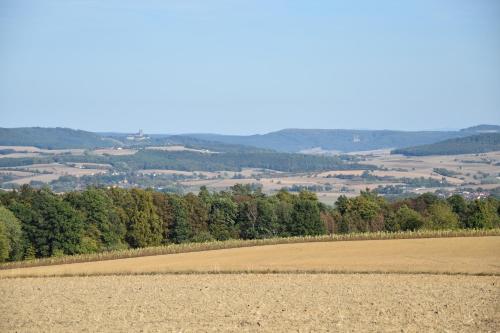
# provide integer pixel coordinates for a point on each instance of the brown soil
(251, 302)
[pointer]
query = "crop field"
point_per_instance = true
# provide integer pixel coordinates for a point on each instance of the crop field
(114, 151)
(466, 166)
(49, 172)
(472, 170)
(180, 148)
(38, 151)
(44, 178)
(456, 255)
(251, 302)
(430, 284)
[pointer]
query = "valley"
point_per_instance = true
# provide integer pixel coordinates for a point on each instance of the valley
(389, 174)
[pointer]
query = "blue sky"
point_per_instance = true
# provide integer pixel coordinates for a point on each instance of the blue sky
(242, 66)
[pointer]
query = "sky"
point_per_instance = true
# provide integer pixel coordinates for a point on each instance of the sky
(249, 66)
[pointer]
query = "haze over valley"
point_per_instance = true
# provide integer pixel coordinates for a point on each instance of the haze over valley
(249, 166)
(328, 162)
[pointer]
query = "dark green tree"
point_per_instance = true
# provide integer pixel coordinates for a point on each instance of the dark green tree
(306, 219)
(165, 213)
(222, 216)
(50, 224)
(4, 243)
(459, 207)
(343, 204)
(483, 214)
(408, 219)
(197, 212)
(181, 230)
(104, 230)
(441, 216)
(258, 219)
(13, 232)
(136, 208)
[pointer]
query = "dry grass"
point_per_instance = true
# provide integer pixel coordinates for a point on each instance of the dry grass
(55, 170)
(114, 151)
(459, 255)
(238, 243)
(208, 174)
(249, 303)
(31, 149)
(45, 178)
(20, 155)
(180, 148)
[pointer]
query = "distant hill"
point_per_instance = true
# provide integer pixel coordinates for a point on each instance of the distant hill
(287, 140)
(482, 129)
(480, 143)
(216, 146)
(52, 138)
(297, 140)
(187, 141)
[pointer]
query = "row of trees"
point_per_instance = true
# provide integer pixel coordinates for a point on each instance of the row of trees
(474, 144)
(195, 161)
(39, 223)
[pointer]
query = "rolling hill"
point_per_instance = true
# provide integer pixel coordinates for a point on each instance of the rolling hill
(342, 140)
(480, 143)
(52, 138)
(287, 140)
(482, 129)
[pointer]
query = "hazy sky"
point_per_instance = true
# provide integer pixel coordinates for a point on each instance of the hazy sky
(249, 66)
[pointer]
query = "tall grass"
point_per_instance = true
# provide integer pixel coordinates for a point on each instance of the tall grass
(236, 243)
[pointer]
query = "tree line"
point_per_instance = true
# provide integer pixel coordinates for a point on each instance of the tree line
(37, 223)
(474, 144)
(195, 161)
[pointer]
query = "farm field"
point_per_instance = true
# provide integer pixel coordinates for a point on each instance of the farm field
(48, 172)
(466, 166)
(114, 151)
(470, 171)
(24, 151)
(342, 286)
(457, 255)
(251, 302)
(180, 148)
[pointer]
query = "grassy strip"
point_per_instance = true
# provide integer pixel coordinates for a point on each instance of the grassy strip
(237, 243)
(255, 272)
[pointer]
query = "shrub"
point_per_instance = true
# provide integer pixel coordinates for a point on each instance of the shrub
(408, 219)
(441, 217)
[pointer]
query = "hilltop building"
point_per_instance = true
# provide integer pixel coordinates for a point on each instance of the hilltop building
(139, 136)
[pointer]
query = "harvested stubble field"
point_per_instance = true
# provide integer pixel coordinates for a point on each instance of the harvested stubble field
(457, 255)
(464, 295)
(251, 302)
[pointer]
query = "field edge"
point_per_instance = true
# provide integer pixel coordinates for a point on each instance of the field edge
(238, 243)
(251, 272)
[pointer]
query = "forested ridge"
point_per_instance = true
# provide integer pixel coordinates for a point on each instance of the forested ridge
(39, 223)
(195, 161)
(52, 138)
(475, 144)
(345, 140)
(286, 140)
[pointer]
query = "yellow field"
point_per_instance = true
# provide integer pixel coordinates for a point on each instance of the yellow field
(252, 303)
(114, 151)
(318, 298)
(468, 255)
(54, 171)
